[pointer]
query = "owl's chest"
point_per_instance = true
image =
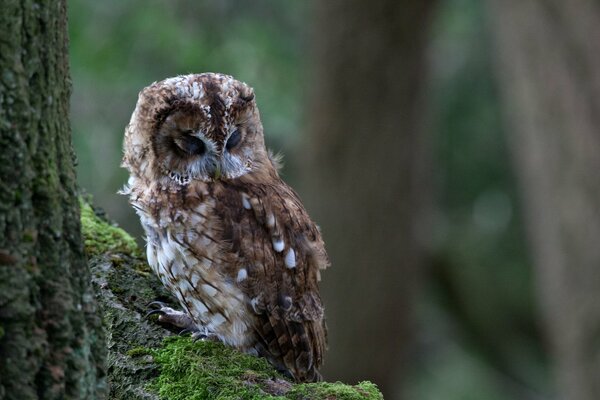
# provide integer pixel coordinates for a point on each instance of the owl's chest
(185, 250)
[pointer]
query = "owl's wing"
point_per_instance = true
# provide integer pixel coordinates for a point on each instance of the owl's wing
(279, 254)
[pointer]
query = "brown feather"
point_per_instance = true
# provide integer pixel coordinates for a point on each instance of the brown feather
(298, 328)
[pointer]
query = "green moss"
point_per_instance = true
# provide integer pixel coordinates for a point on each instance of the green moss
(138, 352)
(142, 269)
(337, 390)
(118, 290)
(101, 237)
(207, 370)
(29, 236)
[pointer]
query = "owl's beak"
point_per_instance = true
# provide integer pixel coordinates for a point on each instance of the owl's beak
(216, 173)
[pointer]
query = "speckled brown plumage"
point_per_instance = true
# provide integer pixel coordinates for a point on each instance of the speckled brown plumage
(225, 234)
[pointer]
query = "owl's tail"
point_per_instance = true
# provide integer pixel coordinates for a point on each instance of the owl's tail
(293, 348)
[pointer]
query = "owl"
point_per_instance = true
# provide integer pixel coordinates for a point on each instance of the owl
(226, 236)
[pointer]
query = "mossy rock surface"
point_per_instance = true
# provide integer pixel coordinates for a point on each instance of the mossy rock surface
(147, 361)
(102, 237)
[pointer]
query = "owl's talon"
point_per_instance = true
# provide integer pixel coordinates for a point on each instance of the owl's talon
(156, 303)
(198, 335)
(186, 331)
(204, 334)
(153, 312)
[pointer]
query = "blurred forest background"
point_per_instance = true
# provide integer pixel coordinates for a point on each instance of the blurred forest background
(413, 132)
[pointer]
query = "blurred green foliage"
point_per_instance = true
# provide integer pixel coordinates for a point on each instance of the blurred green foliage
(478, 334)
(480, 294)
(119, 47)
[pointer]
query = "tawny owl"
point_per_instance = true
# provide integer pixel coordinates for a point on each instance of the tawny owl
(224, 233)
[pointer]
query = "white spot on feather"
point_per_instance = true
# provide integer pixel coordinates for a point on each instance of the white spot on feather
(290, 259)
(246, 201)
(242, 275)
(287, 303)
(185, 286)
(199, 306)
(217, 319)
(278, 245)
(177, 269)
(228, 102)
(196, 91)
(270, 220)
(169, 251)
(254, 304)
(151, 255)
(209, 290)
(238, 330)
(163, 260)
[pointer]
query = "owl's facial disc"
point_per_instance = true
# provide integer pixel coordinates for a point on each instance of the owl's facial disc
(209, 135)
(190, 150)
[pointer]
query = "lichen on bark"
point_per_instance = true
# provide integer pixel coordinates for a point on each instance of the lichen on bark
(51, 345)
(147, 361)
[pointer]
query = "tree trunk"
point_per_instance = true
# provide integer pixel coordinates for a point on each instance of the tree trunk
(549, 70)
(51, 346)
(365, 178)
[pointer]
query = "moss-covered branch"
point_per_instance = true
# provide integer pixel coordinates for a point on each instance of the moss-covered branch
(146, 361)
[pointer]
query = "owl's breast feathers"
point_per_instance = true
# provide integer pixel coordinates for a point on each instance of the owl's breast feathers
(246, 264)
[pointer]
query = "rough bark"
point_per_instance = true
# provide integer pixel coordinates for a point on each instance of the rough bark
(124, 287)
(364, 178)
(548, 58)
(51, 346)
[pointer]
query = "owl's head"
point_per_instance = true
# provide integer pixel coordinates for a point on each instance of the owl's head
(195, 127)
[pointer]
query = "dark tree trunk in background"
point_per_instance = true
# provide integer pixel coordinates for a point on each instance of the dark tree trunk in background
(50, 345)
(549, 70)
(365, 180)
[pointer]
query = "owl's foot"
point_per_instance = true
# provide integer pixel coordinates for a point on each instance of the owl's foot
(169, 316)
(179, 320)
